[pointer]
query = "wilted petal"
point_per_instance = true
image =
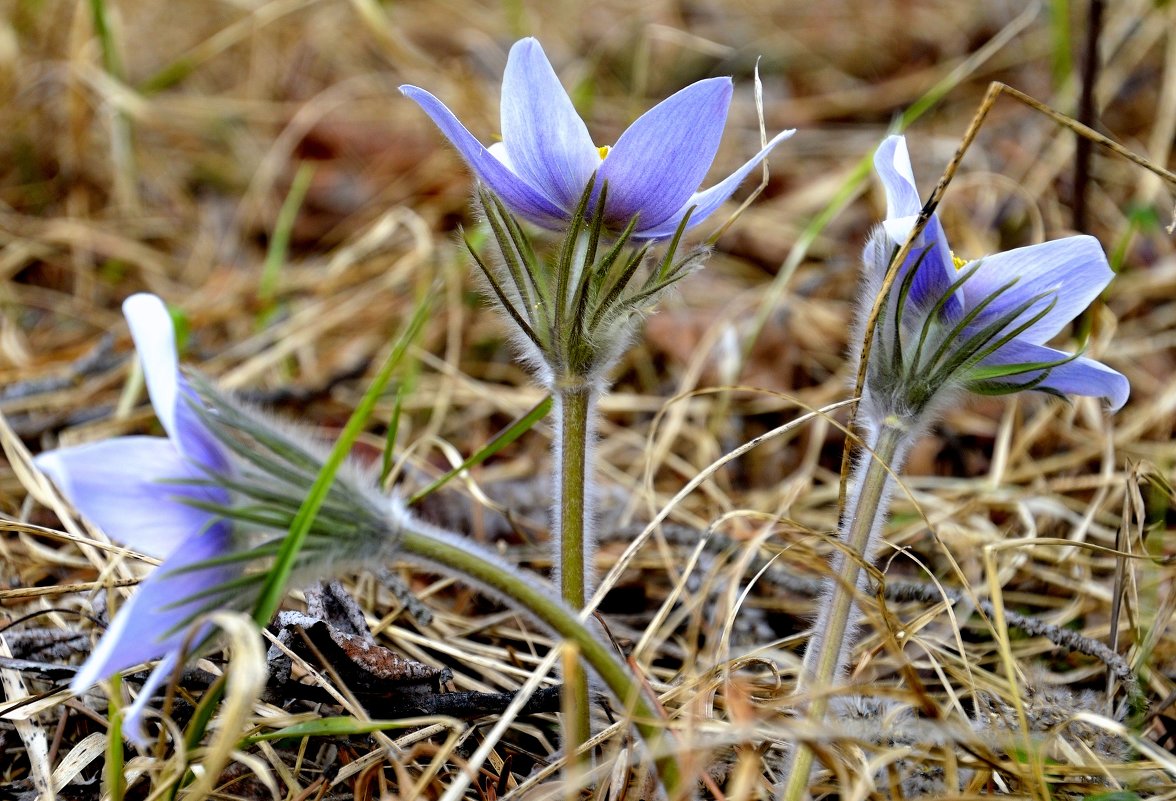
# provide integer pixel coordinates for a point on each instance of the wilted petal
(661, 159)
(1073, 271)
(706, 202)
(142, 629)
(1080, 376)
(153, 331)
(548, 143)
(522, 198)
(122, 486)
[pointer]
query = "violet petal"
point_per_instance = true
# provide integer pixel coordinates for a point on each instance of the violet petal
(1080, 376)
(135, 715)
(1073, 271)
(522, 198)
(931, 254)
(892, 162)
(547, 142)
(708, 201)
(143, 628)
(154, 335)
(659, 162)
(124, 486)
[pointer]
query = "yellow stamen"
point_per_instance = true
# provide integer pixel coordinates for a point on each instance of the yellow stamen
(603, 151)
(958, 262)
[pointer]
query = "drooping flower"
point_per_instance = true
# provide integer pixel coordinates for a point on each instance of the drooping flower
(546, 156)
(140, 490)
(980, 325)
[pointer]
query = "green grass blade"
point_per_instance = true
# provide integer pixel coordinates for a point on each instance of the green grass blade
(122, 151)
(390, 442)
(500, 441)
(279, 244)
(333, 727)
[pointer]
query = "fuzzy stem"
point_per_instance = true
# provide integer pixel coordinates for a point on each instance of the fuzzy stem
(572, 492)
(564, 623)
(828, 650)
(573, 495)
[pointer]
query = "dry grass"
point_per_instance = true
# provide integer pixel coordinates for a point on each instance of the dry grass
(168, 174)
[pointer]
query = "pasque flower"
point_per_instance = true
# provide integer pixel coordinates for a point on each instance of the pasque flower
(546, 156)
(218, 498)
(981, 325)
(141, 490)
(946, 325)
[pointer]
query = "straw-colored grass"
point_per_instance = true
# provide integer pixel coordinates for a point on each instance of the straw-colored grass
(166, 169)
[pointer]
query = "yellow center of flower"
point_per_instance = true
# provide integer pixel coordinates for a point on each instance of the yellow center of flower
(603, 151)
(958, 262)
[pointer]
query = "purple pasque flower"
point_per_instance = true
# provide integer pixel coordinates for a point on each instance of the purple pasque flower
(981, 324)
(546, 157)
(132, 488)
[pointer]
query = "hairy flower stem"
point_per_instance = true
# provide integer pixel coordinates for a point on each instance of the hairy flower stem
(572, 492)
(828, 651)
(566, 624)
(575, 405)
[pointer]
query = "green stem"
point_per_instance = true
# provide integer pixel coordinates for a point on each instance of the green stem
(828, 650)
(573, 496)
(566, 624)
(575, 406)
(116, 783)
